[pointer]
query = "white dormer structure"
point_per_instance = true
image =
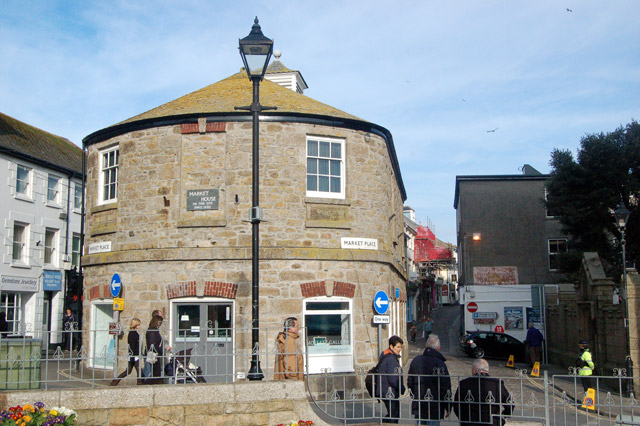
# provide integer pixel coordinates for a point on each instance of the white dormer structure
(283, 76)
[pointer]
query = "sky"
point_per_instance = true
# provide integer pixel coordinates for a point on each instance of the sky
(465, 87)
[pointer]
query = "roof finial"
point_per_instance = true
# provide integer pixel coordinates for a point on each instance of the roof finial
(277, 55)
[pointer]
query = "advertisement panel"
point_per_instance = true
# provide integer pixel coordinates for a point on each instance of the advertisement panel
(495, 275)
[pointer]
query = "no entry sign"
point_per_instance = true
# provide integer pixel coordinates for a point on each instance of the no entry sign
(472, 307)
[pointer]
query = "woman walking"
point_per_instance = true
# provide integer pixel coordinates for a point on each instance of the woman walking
(155, 351)
(133, 339)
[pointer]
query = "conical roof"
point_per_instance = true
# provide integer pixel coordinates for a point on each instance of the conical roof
(236, 90)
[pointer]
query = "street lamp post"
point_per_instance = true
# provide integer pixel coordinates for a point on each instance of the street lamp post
(622, 217)
(255, 50)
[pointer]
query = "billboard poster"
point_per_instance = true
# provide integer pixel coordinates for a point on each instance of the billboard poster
(495, 275)
(534, 315)
(513, 317)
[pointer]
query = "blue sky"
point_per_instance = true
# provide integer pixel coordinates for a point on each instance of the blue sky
(438, 75)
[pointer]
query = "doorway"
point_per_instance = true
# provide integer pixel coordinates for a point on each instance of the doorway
(102, 343)
(207, 328)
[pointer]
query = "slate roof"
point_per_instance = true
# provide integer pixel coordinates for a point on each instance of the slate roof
(236, 90)
(32, 144)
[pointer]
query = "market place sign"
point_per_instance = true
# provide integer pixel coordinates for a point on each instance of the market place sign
(359, 243)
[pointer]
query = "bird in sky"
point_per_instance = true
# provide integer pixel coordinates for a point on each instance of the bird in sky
(492, 131)
(569, 10)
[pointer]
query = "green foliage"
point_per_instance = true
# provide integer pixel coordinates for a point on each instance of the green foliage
(583, 194)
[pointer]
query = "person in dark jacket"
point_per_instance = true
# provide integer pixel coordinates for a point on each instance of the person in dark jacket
(428, 373)
(155, 344)
(534, 340)
(69, 325)
(133, 339)
(391, 385)
(474, 406)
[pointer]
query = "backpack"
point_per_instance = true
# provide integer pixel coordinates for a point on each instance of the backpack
(368, 381)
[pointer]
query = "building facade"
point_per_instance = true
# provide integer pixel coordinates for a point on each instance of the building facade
(41, 207)
(168, 198)
(505, 233)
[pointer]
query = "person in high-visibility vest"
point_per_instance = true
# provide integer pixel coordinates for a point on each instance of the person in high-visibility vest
(585, 364)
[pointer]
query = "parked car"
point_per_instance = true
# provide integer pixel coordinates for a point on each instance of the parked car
(489, 344)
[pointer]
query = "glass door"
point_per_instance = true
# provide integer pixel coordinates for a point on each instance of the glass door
(207, 329)
(102, 343)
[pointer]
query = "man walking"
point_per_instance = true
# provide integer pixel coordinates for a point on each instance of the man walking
(534, 340)
(482, 400)
(289, 360)
(585, 364)
(427, 327)
(429, 375)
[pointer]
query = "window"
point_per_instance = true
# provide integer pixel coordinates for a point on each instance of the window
(550, 213)
(53, 191)
(77, 196)
(20, 233)
(556, 247)
(10, 305)
(50, 241)
(23, 181)
(329, 334)
(75, 251)
(325, 168)
(109, 175)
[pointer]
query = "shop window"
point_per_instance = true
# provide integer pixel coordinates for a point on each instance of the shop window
(50, 242)
(329, 334)
(325, 168)
(10, 305)
(23, 181)
(20, 234)
(108, 187)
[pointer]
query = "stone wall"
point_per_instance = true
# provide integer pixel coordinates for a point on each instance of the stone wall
(161, 249)
(268, 403)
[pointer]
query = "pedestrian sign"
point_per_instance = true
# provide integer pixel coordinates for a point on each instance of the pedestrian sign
(381, 302)
(510, 362)
(536, 369)
(589, 399)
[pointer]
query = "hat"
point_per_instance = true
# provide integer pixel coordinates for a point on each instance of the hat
(583, 342)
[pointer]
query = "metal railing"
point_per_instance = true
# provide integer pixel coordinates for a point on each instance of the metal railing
(548, 400)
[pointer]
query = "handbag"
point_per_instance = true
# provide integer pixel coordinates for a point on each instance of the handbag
(151, 358)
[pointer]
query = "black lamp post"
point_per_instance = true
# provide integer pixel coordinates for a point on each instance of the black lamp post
(622, 217)
(255, 50)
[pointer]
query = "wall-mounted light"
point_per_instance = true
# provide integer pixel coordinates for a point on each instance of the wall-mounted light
(477, 236)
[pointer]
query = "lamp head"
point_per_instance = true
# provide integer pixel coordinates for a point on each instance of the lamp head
(255, 50)
(622, 215)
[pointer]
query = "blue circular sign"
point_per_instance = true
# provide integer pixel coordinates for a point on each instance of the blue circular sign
(116, 285)
(381, 302)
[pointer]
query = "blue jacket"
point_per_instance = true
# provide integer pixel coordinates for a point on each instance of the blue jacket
(534, 337)
(390, 375)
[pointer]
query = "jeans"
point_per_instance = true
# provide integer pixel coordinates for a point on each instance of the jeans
(393, 410)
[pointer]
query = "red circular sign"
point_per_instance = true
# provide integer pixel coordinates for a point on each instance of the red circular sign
(499, 329)
(472, 307)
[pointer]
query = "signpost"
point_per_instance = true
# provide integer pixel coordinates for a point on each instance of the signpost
(472, 307)
(381, 306)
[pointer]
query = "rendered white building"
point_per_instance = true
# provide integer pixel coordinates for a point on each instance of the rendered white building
(41, 206)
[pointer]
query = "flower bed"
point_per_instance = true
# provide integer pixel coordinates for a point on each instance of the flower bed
(36, 414)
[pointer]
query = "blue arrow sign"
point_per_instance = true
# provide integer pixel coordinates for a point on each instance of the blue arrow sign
(116, 285)
(381, 302)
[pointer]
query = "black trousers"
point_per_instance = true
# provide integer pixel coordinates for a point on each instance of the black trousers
(586, 382)
(130, 366)
(393, 410)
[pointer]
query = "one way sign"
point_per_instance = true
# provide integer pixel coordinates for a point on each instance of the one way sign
(381, 302)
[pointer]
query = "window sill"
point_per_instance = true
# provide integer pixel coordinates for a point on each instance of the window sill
(20, 265)
(104, 207)
(334, 201)
(23, 197)
(53, 205)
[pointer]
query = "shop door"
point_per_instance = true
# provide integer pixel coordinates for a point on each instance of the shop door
(207, 328)
(46, 318)
(102, 343)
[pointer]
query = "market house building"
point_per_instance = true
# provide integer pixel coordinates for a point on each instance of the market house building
(168, 198)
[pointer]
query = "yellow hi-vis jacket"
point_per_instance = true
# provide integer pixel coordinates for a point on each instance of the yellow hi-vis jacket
(587, 370)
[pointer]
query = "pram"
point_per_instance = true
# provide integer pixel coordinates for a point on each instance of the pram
(179, 369)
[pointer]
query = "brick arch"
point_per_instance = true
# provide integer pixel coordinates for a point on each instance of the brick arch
(184, 289)
(319, 288)
(220, 289)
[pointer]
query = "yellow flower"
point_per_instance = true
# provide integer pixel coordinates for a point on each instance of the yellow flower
(28, 407)
(27, 418)
(53, 412)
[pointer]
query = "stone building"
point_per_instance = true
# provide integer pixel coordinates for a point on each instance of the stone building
(168, 198)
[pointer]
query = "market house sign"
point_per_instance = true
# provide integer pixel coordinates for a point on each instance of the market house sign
(202, 199)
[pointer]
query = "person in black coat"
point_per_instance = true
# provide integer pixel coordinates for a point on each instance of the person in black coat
(69, 327)
(477, 409)
(133, 340)
(390, 381)
(155, 343)
(429, 373)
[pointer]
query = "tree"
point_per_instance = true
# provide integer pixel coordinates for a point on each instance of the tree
(583, 195)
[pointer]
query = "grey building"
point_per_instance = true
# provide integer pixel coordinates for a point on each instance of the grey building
(505, 233)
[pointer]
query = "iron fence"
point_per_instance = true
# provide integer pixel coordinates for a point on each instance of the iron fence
(549, 400)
